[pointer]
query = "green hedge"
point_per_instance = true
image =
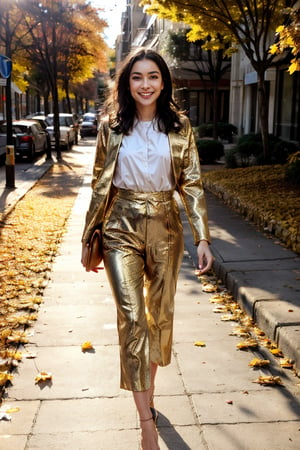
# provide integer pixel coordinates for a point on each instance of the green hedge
(209, 150)
(225, 130)
(249, 151)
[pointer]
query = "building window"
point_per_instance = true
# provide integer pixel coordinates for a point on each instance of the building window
(200, 106)
(287, 125)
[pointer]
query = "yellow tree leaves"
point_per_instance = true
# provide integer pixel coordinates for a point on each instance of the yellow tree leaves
(289, 38)
(248, 25)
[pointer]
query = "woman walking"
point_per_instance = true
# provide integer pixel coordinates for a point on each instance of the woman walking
(145, 151)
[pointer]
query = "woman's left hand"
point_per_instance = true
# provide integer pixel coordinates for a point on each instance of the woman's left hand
(205, 258)
(84, 254)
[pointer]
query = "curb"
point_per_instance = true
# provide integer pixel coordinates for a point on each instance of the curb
(267, 314)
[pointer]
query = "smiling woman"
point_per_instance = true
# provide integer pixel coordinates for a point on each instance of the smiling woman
(145, 86)
(145, 150)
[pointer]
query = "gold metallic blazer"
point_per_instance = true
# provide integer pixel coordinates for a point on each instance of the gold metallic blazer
(186, 168)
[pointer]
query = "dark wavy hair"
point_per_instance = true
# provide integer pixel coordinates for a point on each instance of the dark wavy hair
(124, 114)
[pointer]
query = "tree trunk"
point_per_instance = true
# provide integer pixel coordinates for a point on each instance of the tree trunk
(215, 110)
(9, 131)
(69, 108)
(46, 102)
(56, 118)
(263, 106)
(55, 97)
(38, 102)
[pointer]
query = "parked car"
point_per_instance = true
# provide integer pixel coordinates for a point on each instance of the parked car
(29, 138)
(42, 120)
(89, 125)
(67, 128)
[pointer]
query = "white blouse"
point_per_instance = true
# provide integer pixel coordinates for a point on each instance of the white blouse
(144, 161)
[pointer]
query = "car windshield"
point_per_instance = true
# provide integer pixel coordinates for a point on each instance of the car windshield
(64, 121)
(89, 118)
(20, 129)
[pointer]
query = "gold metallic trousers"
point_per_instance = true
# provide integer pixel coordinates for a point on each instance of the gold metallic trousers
(143, 248)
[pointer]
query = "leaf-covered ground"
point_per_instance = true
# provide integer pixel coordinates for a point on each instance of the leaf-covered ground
(261, 194)
(29, 240)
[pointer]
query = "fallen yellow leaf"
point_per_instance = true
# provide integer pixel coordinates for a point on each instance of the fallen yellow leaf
(220, 309)
(87, 346)
(18, 337)
(276, 352)
(257, 362)
(248, 343)
(217, 299)
(258, 331)
(4, 377)
(221, 297)
(286, 363)
(269, 380)
(12, 410)
(203, 278)
(241, 332)
(210, 288)
(11, 354)
(43, 376)
(266, 343)
(230, 317)
(200, 344)
(246, 321)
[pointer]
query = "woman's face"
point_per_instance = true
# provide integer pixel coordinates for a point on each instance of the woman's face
(145, 84)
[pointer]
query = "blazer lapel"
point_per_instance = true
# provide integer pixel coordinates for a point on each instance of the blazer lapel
(111, 160)
(177, 144)
(100, 195)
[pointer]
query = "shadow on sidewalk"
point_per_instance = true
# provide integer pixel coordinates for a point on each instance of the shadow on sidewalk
(169, 435)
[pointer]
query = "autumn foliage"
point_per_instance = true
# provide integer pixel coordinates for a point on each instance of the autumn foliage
(263, 195)
(29, 240)
(289, 38)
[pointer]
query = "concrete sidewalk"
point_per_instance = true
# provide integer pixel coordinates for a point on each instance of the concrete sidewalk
(206, 398)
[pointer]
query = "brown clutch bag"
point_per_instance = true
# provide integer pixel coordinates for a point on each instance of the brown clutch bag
(94, 255)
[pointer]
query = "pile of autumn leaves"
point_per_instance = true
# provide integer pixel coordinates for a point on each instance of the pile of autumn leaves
(252, 337)
(262, 195)
(29, 240)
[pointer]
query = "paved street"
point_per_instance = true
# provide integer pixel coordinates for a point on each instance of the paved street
(206, 398)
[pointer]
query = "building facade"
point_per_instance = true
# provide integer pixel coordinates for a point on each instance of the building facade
(237, 91)
(283, 98)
